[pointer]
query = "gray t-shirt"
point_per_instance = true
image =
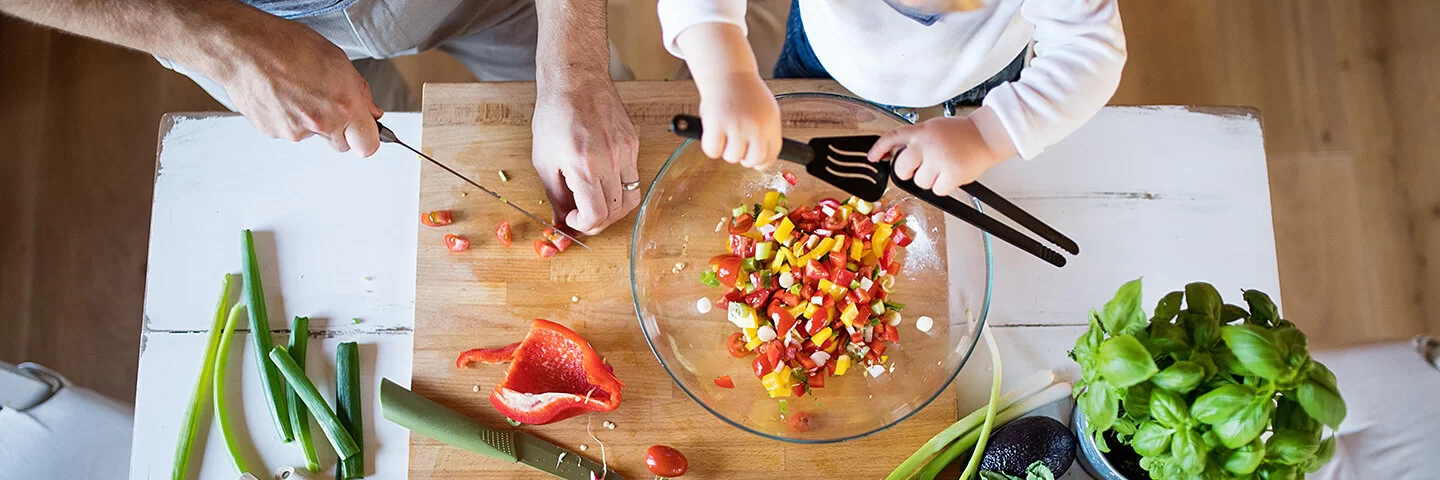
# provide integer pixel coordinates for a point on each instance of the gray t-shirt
(298, 8)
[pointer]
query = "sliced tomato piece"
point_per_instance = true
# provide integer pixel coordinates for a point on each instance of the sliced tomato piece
(843, 277)
(834, 222)
(790, 352)
(757, 299)
(772, 351)
(892, 215)
(437, 218)
(456, 243)
(762, 365)
(861, 226)
(806, 291)
(788, 299)
(902, 236)
(866, 271)
(790, 177)
(892, 333)
(487, 356)
(814, 271)
(727, 269)
(887, 256)
(544, 248)
(502, 232)
(817, 379)
(742, 223)
(560, 242)
(742, 246)
(806, 361)
(784, 321)
(736, 345)
(798, 390)
(838, 260)
(724, 381)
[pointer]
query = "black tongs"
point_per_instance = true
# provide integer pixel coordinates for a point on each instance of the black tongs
(841, 161)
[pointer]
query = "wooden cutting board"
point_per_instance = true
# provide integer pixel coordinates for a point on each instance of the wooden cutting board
(488, 295)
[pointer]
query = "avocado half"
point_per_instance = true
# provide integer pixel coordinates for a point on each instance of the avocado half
(1028, 440)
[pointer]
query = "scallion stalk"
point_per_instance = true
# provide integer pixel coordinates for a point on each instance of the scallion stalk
(191, 421)
(1027, 389)
(299, 415)
(339, 438)
(347, 405)
(1046, 397)
(989, 410)
(222, 408)
(260, 331)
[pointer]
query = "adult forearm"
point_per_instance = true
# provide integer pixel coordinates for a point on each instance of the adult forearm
(572, 44)
(205, 35)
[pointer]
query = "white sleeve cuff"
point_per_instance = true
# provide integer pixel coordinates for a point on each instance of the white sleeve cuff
(992, 130)
(678, 15)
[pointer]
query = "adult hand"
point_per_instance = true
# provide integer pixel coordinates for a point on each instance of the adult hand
(585, 149)
(292, 83)
(741, 120)
(941, 154)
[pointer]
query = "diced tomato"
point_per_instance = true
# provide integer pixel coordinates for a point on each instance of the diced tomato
(902, 236)
(834, 222)
(867, 272)
(784, 322)
(788, 299)
(892, 333)
(837, 260)
(817, 379)
(798, 390)
(724, 381)
(544, 248)
(502, 232)
(772, 351)
(561, 242)
(742, 246)
(877, 347)
(437, 218)
(843, 277)
(757, 298)
(736, 345)
(807, 362)
(801, 422)
(762, 365)
(790, 178)
(861, 226)
(727, 268)
(892, 215)
(806, 291)
(814, 271)
(742, 223)
(887, 256)
(859, 297)
(872, 357)
(456, 243)
(857, 337)
(790, 351)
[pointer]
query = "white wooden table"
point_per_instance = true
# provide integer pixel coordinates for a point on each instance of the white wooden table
(1167, 193)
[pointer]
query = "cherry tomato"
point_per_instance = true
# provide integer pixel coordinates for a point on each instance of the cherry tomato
(790, 177)
(544, 248)
(815, 272)
(456, 243)
(801, 422)
(502, 232)
(835, 222)
(742, 223)
(724, 381)
(665, 461)
(892, 215)
(727, 268)
(438, 218)
(560, 242)
(736, 344)
(757, 299)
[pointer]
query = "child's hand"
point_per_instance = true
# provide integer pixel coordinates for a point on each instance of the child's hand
(741, 120)
(941, 154)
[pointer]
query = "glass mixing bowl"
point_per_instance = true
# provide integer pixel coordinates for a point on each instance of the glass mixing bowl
(946, 276)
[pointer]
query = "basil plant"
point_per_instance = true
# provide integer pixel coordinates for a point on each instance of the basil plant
(1208, 391)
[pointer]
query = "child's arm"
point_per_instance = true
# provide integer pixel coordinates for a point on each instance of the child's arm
(740, 116)
(1079, 53)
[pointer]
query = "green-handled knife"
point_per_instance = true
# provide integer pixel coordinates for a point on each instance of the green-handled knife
(425, 417)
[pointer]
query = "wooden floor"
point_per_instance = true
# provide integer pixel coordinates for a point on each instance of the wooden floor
(1346, 89)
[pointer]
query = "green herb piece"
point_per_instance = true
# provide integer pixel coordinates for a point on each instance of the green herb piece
(709, 279)
(896, 306)
(335, 431)
(299, 415)
(222, 404)
(738, 211)
(190, 422)
(1123, 361)
(795, 289)
(347, 405)
(354, 320)
(260, 334)
(513, 422)
(784, 407)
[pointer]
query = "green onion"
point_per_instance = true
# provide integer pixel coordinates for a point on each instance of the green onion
(749, 265)
(784, 202)
(708, 278)
(512, 422)
(854, 284)
(795, 289)
(784, 407)
(979, 447)
(299, 415)
(764, 250)
(1015, 399)
(222, 408)
(260, 331)
(765, 278)
(330, 424)
(896, 306)
(202, 387)
(347, 405)
(738, 211)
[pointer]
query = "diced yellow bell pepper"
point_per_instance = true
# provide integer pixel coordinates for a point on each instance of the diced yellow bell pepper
(785, 268)
(839, 244)
(825, 285)
(842, 365)
(821, 336)
(870, 258)
(777, 379)
(753, 344)
(881, 236)
(857, 250)
(798, 310)
(884, 358)
(785, 230)
(777, 264)
(765, 217)
(779, 392)
(823, 248)
(772, 198)
(863, 207)
(750, 333)
(848, 316)
(791, 258)
(811, 309)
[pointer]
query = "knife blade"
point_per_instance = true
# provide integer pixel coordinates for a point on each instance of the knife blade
(425, 417)
(388, 136)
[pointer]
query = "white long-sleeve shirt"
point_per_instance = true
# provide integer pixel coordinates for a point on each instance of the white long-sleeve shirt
(886, 57)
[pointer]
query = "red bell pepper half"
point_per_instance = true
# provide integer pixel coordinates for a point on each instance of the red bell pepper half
(486, 355)
(555, 375)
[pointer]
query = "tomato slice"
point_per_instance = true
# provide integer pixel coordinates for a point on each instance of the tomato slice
(784, 322)
(502, 232)
(724, 381)
(835, 221)
(788, 299)
(892, 215)
(772, 351)
(762, 365)
(843, 277)
(544, 248)
(736, 345)
(456, 243)
(437, 218)
(861, 226)
(742, 223)
(817, 379)
(560, 242)
(790, 177)
(742, 246)
(815, 272)
(757, 299)
(902, 236)
(727, 268)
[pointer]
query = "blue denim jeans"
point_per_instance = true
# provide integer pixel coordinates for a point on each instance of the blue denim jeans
(797, 60)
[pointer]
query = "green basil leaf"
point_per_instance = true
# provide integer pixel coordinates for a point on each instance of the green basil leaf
(1202, 298)
(1244, 460)
(1169, 409)
(1289, 415)
(1189, 450)
(1263, 311)
(1204, 330)
(1245, 424)
(1099, 439)
(1166, 337)
(1182, 376)
(1101, 406)
(1211, 440)
(1152, 439)
(1257, 350)
(1230, 313)
(1322, 375)
(1218, 405)
(1123, 361)
(1123, 314)
(1078, 389)
(1038, 471)
(1323, 453)
(1089, 342)
(1124, 427)
(1226, 361)
(1321, 403)
(1168, 307)
(1137, 401)
(1205, 361)
(1294, 346)
(1278, 472)
(1289, 447)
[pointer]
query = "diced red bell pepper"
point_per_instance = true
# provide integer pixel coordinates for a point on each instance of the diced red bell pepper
(866, 271)
(858, 297)
(798, 390)
(788, 299)
(861, 226)
(892, 215)
(757, 298)
(902, 236)
(817, 322)
(742, 246)
(830, 367)
(555, 375)
(878, 347)
(894, 268)
(844, 277)
(784, 321)
(817, 379)
(724, 381)
(857, 337)
(892, 333)
(762, 365)
(806, 361)
(486, 355)
(887, 256)
(815, 272)
(772, 350)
